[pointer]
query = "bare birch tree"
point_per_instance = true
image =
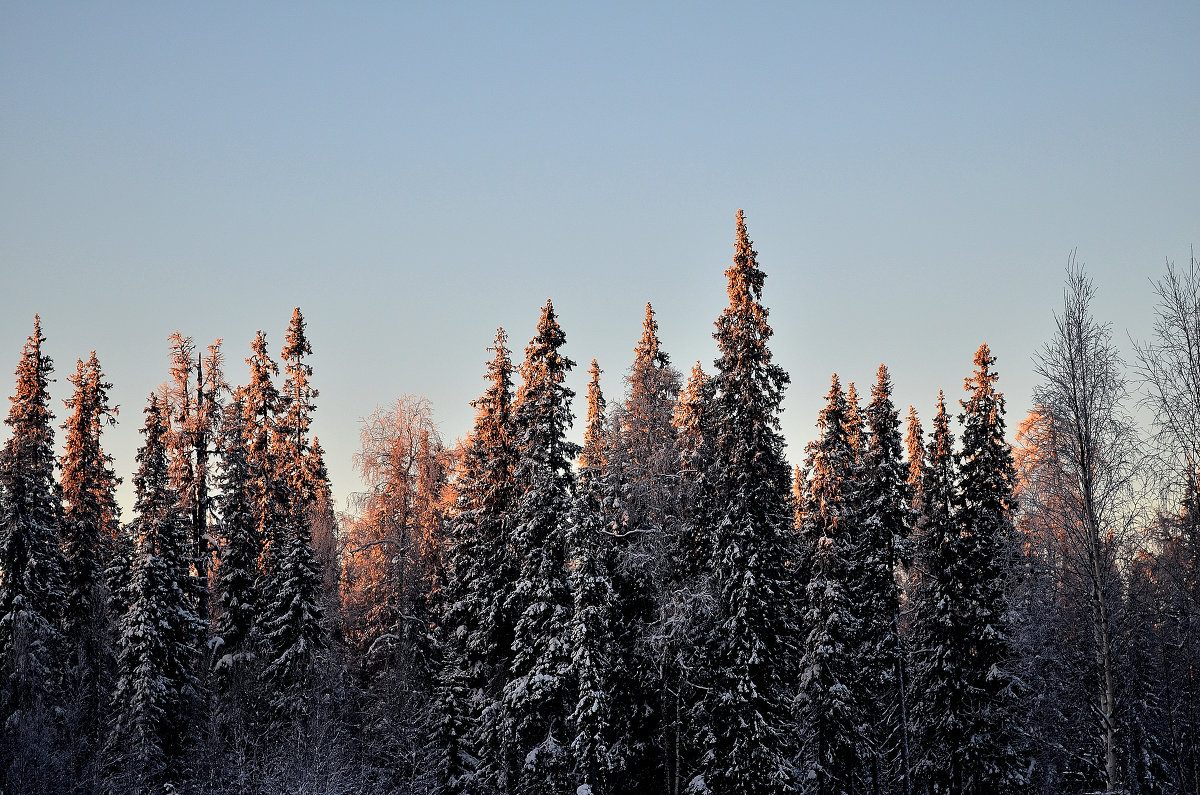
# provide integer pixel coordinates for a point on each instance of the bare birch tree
(1083, 486)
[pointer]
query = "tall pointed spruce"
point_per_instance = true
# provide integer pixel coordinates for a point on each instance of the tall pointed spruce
(32, 589)
(988, 756)
(937, 662)
(536, 696)
(884, 533)
(89, 526)
(642, 469)
(596, 741)
(827, 693)
(476, 625)
(157, 691)
(294, 635)
(238, 600)
(262, 404)
(752, 647)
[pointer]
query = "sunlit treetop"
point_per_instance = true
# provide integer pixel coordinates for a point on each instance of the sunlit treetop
(593, 454)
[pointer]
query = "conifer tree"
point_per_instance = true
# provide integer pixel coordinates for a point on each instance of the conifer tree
(883, 534)
(686, 596)
(984, 519)
(752, 645)
(157, 691)
(642, 470)
(239, 605)
(856, 428)
(193, 413)
(694, 422)
(90, 526)
(32, 589)
(828, 696)
(597, 740)
(294, 634)
(938, 667)
(536, 698)
(476, 626)
(323, 522)
(262, 403)
(914, 445)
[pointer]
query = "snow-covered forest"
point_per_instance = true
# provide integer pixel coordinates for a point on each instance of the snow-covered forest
(918, 606)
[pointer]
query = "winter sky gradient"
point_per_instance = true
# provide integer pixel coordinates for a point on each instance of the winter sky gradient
(413, 175)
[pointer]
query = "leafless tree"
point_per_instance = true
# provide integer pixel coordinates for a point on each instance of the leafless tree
(1082, 482)
(1168, 367)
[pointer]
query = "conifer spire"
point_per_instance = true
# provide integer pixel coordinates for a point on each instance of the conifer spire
(592, 454)
(828, 697)
(89, 529)
(480, 571)
(936, 672)
(262, 405)
(295, 635)
(884, 534)
(595, 737)
(240, 606)
(752, 650)
(535, 704)
(32, 590)
(987, 747)
(914, 445)
(157, 690)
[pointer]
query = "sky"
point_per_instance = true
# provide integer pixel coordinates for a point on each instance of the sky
(413, 175)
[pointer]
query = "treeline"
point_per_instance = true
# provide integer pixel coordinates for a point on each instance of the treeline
(670, 608)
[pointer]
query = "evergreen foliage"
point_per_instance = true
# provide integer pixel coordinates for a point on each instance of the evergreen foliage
(989, 759)
(598, 740)
(239, 605)
(937, 655)
(32, 588)
(751, 646)
(882, 535)
(682, 612)
(535, 702)
(293, 633)
(262, 403)
(642, 466)
(477, 628)
(828, 698)
(157, 693)
(90, 526)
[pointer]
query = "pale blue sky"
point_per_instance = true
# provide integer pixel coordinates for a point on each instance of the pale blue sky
(413, 175)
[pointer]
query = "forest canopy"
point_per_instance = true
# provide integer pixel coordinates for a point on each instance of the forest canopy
(918, 606)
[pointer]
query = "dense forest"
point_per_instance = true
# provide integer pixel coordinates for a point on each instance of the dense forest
(917, 607)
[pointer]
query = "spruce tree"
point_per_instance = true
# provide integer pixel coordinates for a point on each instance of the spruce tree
(293, 633)
(984, 519)
(828, 697)
(642, 470)
(938, 667)
(476, 626)
(32, 589)
(157, 692)
(269, 495)
(324, 524)
(694, 421)
(239, 605)
(90, 525)
(751, 645)
(883, 534)
(597, 743)
(914, 446)
(193, 411)
(536, 701)
(686, 597)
